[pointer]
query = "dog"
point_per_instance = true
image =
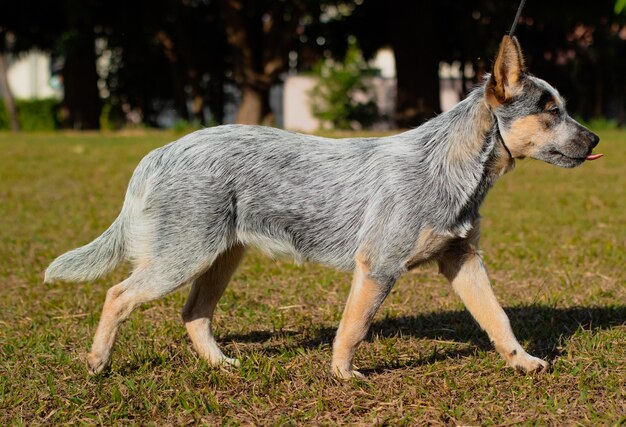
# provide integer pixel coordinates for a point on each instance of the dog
(378, 206)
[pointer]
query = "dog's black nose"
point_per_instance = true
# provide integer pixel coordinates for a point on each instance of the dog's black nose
(594, 139)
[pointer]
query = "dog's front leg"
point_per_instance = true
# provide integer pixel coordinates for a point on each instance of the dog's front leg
(469, 278)
(366, 295)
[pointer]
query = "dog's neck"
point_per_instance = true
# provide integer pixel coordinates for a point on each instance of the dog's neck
(473, 133)
(501, 159)
(461, 145)
(480, 133)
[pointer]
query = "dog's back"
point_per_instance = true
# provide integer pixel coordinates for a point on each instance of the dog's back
(287, 193)
(313, 198)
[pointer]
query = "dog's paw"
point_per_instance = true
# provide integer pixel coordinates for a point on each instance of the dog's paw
(524, 362)
(220, 360)
(347, 374)
(96, 364)
(228, 361)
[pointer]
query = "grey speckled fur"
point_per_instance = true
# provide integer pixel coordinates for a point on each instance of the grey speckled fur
(314, 198)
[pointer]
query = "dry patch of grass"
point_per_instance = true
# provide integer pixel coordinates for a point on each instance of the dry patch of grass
(554, 241)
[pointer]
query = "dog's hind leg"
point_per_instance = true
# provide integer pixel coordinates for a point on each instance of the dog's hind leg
(469, 278)
(366, 295)
(203, 297)
(143, 285)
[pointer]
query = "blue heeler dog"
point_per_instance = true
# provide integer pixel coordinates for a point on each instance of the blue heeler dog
(380, 206)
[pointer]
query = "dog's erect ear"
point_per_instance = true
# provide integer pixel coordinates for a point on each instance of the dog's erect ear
(507, 70)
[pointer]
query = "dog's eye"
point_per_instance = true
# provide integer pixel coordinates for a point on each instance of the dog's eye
(554, 110)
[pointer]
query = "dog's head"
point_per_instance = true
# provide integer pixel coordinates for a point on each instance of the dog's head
(531, 115)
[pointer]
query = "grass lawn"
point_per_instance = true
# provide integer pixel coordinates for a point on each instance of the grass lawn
(554, 241)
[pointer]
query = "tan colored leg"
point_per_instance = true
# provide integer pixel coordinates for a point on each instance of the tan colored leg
(470, 280)
(203, 297)
(120, 301)
(366, 295)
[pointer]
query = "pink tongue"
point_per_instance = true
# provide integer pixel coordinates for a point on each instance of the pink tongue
(594, 156)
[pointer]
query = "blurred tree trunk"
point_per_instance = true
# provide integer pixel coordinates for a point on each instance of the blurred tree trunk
(176, 73)
(191, 75)
(9, 101)
(416, 48)
(81, 97)
(216, 95)
(254, 107)
(261, 34)
(197, 98)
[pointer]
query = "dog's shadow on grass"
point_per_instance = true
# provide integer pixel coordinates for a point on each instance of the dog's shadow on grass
(545, 330)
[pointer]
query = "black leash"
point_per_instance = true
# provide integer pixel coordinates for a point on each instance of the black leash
(511, 33)
(517, 15)
(499, 137)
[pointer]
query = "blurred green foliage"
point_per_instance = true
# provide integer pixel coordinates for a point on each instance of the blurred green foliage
(32, 114)
(343, 97)
(600, 124)
(4, 118)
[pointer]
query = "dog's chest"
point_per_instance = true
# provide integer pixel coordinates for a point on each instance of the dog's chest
(429, 245)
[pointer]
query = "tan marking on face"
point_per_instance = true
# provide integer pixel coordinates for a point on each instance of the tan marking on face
(554, 101)
(429, 243)
(551, 103)
(526, 135)
(559, 101)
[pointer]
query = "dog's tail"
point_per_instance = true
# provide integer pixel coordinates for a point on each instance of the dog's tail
(92, 260)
